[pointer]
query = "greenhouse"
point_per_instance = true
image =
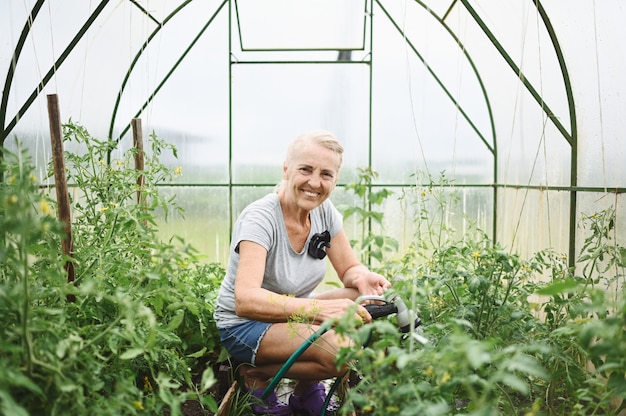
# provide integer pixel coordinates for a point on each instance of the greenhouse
(483, 176)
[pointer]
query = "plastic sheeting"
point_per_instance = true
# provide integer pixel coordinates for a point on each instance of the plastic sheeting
(521, 103)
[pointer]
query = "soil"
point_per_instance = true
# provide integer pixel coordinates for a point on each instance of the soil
(194, 408)
(218, 391)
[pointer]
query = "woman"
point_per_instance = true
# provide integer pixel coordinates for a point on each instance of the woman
(275, 266)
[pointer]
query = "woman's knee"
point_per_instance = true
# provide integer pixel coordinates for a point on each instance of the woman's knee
(326, 350)
(326, 367)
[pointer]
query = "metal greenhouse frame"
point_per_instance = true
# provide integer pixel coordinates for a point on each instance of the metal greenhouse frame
(373, 10)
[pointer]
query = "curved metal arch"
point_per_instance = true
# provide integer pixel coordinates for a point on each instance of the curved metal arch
(574, 133)
(569, 136)
(518, 72)
(9, 78)
(167, 76)
(136, 59)
(572, 136)
(491, 148)
(5, 131)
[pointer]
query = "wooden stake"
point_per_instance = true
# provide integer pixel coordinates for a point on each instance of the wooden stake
(139, 155)
(227, 401)
(60, 182)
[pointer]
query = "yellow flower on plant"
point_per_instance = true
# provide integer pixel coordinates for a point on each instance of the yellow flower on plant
(138, 405)
(12, 199)
(534, 409)
(476, 254)
(44, 207)
(146, 384)
(178, 171)
(445, 378)
(437, 302)
(32, 177)
(104, 209)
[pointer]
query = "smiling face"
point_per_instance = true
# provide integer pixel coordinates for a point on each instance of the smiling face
(310, 176)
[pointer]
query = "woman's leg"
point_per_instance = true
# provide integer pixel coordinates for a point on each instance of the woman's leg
(278, 344)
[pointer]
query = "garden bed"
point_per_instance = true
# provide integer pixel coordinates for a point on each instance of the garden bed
(133, 333)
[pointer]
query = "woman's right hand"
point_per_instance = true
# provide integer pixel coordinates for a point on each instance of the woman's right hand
(328, 309)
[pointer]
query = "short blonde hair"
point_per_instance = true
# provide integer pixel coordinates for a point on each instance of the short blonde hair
(322, 137)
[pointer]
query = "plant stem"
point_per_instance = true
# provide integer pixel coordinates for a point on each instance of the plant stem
(453, 293)
(496, 285)
(103, 333)
(28, 347)
(481, 310)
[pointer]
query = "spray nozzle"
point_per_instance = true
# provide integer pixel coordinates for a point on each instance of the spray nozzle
(391, 305)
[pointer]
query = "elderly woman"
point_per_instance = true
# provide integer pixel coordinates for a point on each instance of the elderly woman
(276, 261)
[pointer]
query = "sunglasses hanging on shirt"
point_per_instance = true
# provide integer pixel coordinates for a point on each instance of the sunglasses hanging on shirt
(318, 244)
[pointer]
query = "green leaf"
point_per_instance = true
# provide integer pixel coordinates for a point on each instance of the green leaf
(67, 387)
(9, 407)
(208, 380)
(515, 383)
(403, 360)
(559, 286)
(17, 379)
(617, 382)
(474, 283)
(609, 367)
(197, 354)
(131, 353)
(476, 354)
(347, 211)
(528, 365)
(176, 320)
(463, 322)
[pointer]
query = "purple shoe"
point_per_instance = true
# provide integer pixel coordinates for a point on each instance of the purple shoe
(270, 406)
(311, 402)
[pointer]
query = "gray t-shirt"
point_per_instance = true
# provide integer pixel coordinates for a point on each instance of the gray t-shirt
(287, 272)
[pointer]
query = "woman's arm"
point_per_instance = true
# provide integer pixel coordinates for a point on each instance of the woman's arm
(352, 273)
(254, 302)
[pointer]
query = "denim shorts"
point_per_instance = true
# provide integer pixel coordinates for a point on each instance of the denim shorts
(242, 341)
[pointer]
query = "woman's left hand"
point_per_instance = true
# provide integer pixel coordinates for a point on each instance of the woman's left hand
(370, 283)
